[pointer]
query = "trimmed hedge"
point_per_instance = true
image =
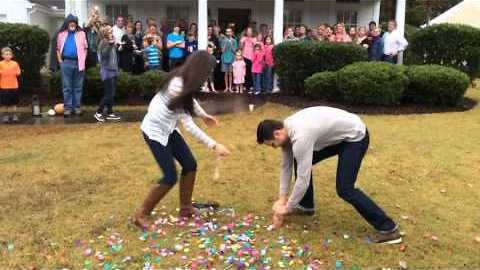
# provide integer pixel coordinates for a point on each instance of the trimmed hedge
(434, 84)
(128, 85)
(296, 61)
(377, 83)
(30, 45)
(372, 83)
(451, 45)
(322, 85)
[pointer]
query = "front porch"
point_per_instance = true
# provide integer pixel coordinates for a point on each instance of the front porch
(275, 13)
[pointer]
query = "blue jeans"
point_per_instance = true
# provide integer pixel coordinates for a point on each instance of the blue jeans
(177, 149)
(268, 79)
(350, 156)
(257, 82)
(72, 82)
(109, 88)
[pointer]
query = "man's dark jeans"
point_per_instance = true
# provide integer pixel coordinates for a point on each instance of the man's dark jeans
(350, 156)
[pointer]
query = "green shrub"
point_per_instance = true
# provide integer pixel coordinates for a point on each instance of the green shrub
(451, 45)
(150, 81)
(322, 85)
(30, 45)
(128, 85)
(296, 61)
(372, 83)
(436, 85)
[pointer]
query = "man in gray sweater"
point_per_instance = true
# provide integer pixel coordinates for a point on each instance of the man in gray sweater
(310, 136)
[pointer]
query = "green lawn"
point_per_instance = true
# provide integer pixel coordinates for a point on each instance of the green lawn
(77, 182)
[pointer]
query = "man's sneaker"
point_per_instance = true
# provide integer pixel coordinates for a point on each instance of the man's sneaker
(99, 117)
(113, 117)
(67, 113)
(15, 118)
(78, 112)
(257, 93)
(387, 239)
(6, 119)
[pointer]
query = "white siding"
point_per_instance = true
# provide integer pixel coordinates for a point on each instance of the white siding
(15, 11)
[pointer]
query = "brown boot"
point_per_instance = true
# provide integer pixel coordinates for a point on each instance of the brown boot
(186, 189)
(157, 192)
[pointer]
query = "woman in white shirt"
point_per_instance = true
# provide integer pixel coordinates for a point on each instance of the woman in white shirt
(394, 43)
(172, 104)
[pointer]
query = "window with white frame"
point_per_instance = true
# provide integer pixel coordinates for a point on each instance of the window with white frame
(348, 17)
(292, 17)
(177, 13)
(113, 11)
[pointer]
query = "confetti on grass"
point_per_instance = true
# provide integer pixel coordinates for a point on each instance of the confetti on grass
(204, 243)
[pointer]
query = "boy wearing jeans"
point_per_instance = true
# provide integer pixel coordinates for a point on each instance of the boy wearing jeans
(9, 97)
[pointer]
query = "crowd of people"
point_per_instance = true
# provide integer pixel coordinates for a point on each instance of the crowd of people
(243, 58)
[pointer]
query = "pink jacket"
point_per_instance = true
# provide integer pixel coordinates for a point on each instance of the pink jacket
(268, 49)
(247, 44)
(82, 46)
(258, 61)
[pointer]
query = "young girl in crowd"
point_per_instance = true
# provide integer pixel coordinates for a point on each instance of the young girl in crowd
(239, 71)
(247, 42)
(210, 83)
(174, 103)
(191, 44)
(268, 70)
(108, 73)
(9, 96)
(258, 63)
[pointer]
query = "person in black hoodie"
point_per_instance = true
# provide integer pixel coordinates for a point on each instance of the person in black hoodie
(138, 34)
(126, 49)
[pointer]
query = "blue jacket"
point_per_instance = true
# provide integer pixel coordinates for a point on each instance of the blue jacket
(375, 51)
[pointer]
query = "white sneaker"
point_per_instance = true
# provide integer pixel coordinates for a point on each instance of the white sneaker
(99, 117)
(113, 117)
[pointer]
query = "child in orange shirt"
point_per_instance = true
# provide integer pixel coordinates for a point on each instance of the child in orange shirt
(9, 97)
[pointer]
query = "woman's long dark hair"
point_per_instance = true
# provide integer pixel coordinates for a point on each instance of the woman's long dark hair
(194, 72)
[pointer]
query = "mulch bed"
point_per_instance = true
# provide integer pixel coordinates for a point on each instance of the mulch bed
(303, 102)
(292, 101)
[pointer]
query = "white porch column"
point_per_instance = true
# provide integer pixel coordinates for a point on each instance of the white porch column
(278, 21)
(277, 32)
(400, 18)
(376, 11)
(202, 24)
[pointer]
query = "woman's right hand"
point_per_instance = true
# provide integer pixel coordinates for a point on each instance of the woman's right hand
(221, 150)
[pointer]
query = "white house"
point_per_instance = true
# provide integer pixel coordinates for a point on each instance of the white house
(277, 13)
(465, 12)
(37, 13)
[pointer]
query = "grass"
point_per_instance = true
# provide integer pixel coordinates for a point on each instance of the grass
(63, 183)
